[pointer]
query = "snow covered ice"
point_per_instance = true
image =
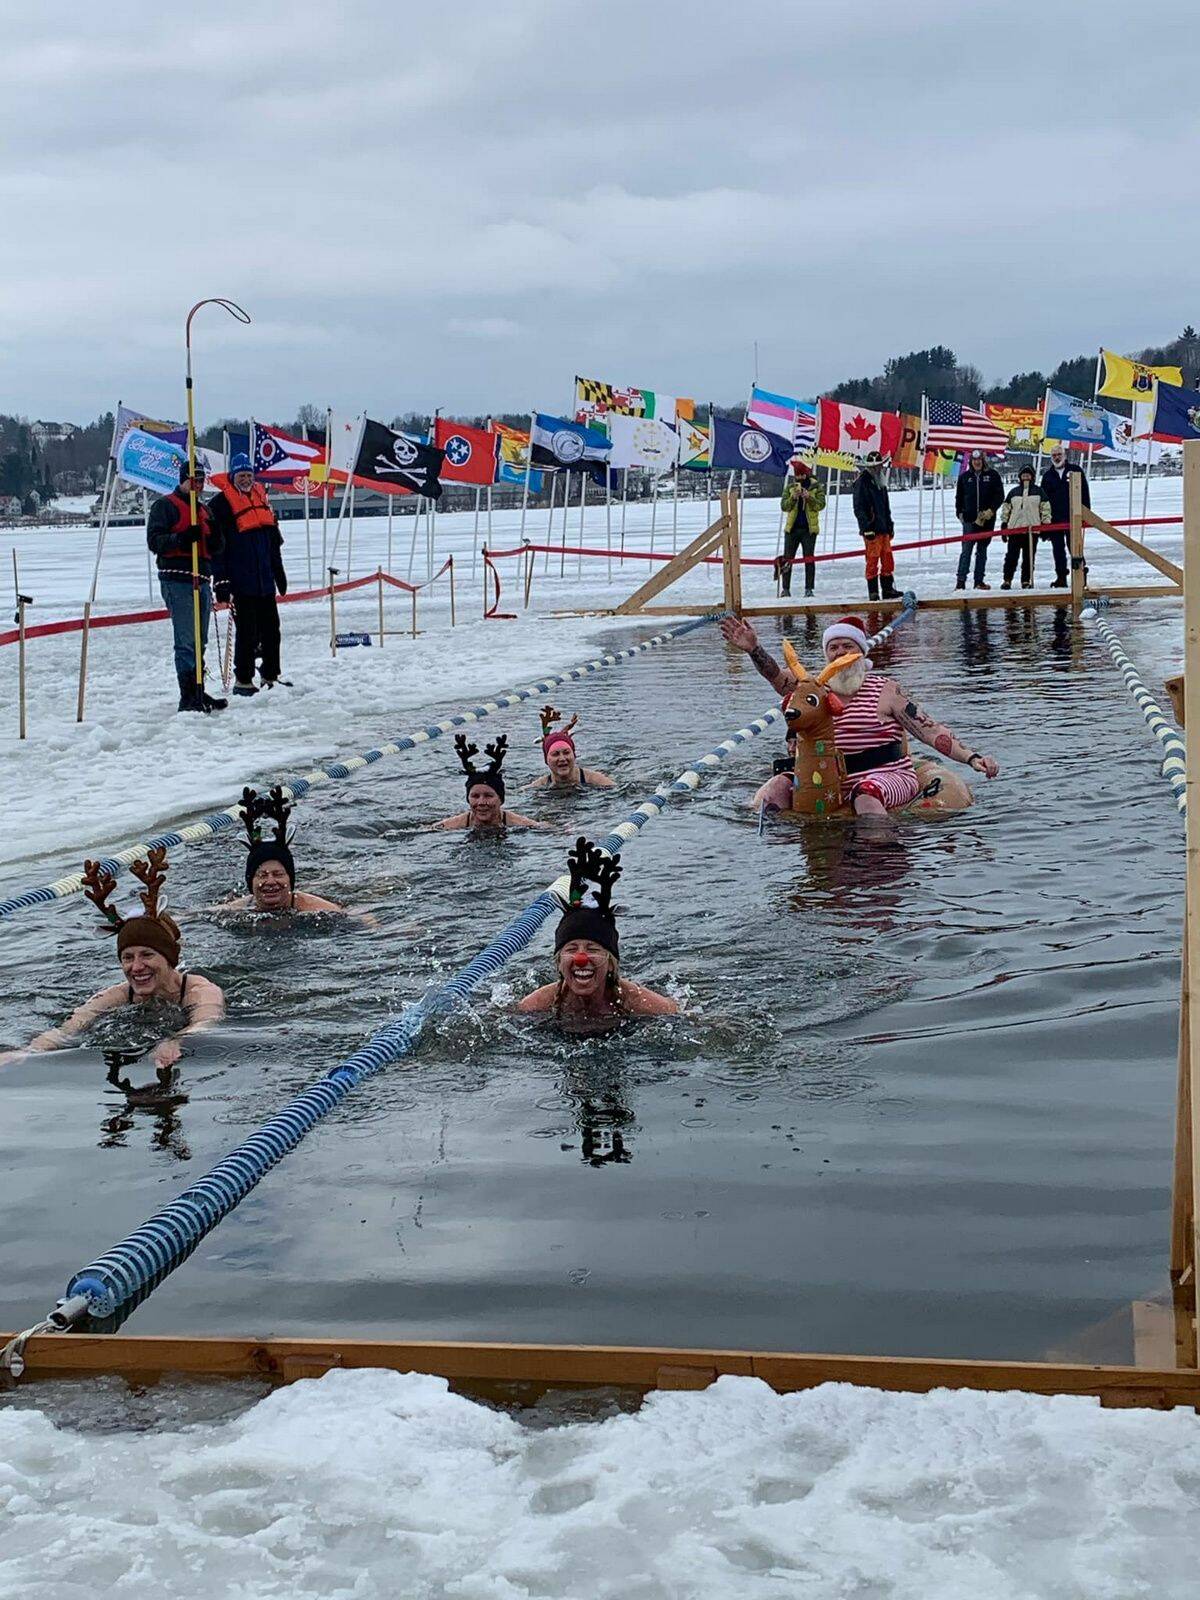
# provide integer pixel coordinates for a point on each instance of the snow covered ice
(371, 1485)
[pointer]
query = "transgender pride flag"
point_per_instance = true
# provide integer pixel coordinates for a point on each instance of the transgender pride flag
(784, 416)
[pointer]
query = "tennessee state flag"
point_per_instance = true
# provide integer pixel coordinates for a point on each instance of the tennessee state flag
(855, 430)
(470, 452)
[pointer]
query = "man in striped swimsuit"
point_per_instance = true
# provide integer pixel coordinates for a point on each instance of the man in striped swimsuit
(875, 713)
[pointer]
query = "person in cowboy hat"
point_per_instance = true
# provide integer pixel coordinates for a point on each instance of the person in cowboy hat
(148, 949)
(873, 512)
(485, 811)
(249, 573)
(869, 729)
(802, 503)
(589, 988)
(559, 754)
(171, 534)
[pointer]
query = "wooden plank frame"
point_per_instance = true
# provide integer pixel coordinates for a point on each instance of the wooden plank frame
(1152, 557)
(485, 1368)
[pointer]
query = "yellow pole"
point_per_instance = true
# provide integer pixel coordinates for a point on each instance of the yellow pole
(83, 655)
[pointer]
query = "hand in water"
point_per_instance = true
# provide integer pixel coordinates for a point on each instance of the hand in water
(166, 1053)
(7, 1057)
(988, 765)
(737, 632)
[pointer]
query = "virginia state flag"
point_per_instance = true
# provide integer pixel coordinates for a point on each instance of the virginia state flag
(1130, 380)
(742, 447)
(1176, 413)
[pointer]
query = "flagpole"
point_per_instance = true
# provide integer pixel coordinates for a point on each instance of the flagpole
(553, 476)
(391, 500)
(562, 564)
(412, 549)
(431, 514)
(325, 487)
(583, 478)
(105, 513)
(475, 529)
(307, 529)
(350, 537)
(528, 470)
(837, 503)
(624, 508)
(608, 514)
(653, 508)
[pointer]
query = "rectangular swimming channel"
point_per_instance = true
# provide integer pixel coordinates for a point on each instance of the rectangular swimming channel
(920, 1100)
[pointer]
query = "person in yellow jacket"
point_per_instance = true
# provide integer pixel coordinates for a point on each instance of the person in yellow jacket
(802, 503)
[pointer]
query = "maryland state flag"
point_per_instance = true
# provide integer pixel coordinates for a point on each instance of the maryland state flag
(1130, 380)
(396, 464)
(595, 400)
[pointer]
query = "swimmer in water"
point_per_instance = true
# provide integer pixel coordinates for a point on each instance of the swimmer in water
(558, 752)
(148, 947)
(270, 868)
(589, 987)
(485, 811)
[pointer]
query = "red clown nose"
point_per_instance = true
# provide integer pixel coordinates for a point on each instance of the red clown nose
(581, 959)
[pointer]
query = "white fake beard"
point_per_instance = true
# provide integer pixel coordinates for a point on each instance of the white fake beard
(850, 679)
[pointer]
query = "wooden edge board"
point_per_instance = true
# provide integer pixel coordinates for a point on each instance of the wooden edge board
(987, 602)
(1143, 551)
(146, 1358)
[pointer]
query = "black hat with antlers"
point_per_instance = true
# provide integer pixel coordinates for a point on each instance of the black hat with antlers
(256, 809)
(154, 929)
(589, 865)
(491, 774)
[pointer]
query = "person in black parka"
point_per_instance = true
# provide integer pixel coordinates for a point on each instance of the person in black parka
(978, 496)
(249, 573)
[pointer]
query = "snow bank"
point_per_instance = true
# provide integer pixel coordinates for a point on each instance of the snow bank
(374, 1484)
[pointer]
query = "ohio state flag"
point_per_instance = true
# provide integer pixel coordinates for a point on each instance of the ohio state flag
(856, 431)
(470, 452)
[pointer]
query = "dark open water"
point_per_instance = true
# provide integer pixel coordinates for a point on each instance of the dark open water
(921, 1101)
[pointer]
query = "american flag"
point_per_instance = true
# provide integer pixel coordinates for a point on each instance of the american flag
(950, 426)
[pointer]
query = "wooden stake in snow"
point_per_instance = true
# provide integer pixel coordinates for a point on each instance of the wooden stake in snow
(1191, 689)
(83, 658)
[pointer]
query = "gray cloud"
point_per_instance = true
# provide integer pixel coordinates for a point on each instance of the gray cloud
(461, 207)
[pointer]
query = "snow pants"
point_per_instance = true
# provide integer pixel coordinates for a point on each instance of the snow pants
(256, 634)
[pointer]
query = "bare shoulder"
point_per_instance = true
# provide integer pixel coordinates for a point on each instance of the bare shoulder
(514, 819)
(540, 783)
(642, 1002)
(540, 1000)
(203, 991)
(460, 819)
(315, 902)
(598, 780)
(105, 999)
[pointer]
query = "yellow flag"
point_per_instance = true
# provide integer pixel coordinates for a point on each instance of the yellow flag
(1130, 380)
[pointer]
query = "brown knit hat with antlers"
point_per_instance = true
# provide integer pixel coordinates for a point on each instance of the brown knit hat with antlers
(154, 928)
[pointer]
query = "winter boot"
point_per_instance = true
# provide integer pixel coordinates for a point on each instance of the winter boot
(286, 683)
(189, 693)
(245, 688)
(872, 588)
(889, 590)
(809, 592)
(209, 703)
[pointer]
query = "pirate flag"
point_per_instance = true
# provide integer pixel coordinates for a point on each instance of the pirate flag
(395, 463)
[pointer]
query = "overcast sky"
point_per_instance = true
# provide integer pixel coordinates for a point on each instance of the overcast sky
(462, 205)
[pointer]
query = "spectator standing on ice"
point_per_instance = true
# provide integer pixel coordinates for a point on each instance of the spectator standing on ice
(802, 503)
(171, 534)
(249, 572)
(873, 511)
(978, 496)
(1025, 509)
(1056, 486)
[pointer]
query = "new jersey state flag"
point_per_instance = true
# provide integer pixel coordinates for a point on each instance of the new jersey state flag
(855, 430)
(470, 452)
(1131, 380)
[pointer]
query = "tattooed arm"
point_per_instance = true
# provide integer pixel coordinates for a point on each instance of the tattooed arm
(743, 637)
(895, 704)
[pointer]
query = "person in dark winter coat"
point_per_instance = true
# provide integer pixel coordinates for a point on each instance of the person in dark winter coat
(248, 574)
(1025, 509)
(873, 512)
(1056, 486)
(170, 533)
(978, 496)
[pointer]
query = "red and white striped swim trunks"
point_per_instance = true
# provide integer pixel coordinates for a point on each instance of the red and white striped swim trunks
(857, 727)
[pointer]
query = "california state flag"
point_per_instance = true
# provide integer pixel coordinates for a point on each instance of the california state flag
(855, 431)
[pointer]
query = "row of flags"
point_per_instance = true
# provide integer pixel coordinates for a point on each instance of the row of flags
(616, 428)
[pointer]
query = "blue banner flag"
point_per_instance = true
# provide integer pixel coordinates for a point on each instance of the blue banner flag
(1176, 413)
(150, 460)
(1076, 421)
(508, 472)
(739, 446)
(558, 442)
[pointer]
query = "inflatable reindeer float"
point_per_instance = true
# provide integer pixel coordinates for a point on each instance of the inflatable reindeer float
(819, 778)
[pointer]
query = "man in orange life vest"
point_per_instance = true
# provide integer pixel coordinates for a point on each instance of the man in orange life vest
(248, 573)
(171, 535)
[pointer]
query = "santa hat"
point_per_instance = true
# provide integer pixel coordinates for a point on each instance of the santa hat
(853, 629)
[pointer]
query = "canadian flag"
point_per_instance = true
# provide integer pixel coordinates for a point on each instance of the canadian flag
(855, 431)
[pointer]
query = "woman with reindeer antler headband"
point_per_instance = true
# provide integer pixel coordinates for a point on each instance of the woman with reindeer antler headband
(148, 948)
(270, 868)
(589, 987)
(485, 811)
(558, 752)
